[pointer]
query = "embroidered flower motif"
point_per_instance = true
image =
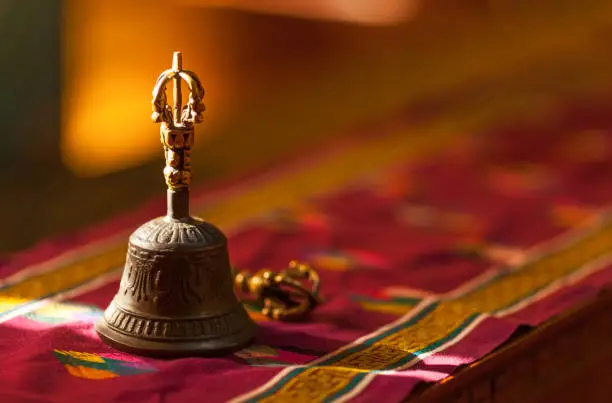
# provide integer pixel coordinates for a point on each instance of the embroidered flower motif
(101, 366)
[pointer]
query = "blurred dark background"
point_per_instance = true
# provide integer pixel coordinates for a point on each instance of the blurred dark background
(77, 145)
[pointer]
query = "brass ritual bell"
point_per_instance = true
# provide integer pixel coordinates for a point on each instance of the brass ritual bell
(176, 296)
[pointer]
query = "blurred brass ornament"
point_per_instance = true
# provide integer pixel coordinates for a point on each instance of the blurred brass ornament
(287, 295)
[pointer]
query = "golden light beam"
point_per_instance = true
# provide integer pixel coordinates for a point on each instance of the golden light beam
(366, 12)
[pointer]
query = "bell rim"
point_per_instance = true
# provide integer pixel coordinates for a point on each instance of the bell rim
(205, 347)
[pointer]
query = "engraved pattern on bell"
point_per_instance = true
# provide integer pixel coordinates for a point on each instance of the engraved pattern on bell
(177, 286)
(164, 231)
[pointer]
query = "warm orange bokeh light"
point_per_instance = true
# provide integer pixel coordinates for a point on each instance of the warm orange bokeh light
(113, 52)
(368, 12)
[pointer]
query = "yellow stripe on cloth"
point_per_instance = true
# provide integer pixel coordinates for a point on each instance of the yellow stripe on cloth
(48, 283)
(287, 190)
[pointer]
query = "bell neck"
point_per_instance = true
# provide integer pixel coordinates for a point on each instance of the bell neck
(178, 204)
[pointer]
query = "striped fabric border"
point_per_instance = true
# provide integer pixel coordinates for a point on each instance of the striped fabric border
(435, 324)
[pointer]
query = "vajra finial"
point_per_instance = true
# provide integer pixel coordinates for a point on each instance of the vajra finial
(177, 131)
(177, 122)
(289, 294)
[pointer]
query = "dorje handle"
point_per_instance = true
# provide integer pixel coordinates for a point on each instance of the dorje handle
(177, 132)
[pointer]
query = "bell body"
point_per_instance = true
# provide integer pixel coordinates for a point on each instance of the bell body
(176, 296)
